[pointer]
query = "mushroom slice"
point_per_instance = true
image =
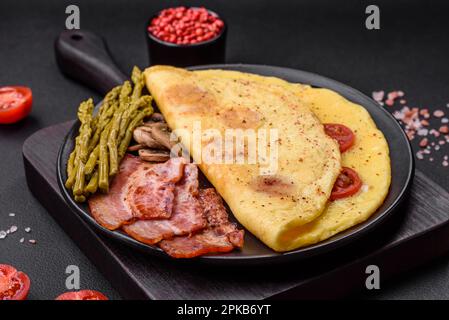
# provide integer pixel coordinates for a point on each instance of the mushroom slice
(157, 117)
(161, 133)
(136, 147)
(154, 155)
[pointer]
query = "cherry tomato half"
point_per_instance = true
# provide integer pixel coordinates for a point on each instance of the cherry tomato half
(14, 285)
(347, 184)
(15, 103)
(344, 136)
(82, 295)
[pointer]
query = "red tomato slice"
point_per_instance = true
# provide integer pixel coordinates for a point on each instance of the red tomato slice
(82, 295)
(14, 285)
(347, 184)
(15, 103)
(344, 136)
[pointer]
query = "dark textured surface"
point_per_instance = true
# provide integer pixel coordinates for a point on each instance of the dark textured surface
(325, 37)
(392, 248)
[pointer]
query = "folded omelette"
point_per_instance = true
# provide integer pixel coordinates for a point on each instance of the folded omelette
(289, 208)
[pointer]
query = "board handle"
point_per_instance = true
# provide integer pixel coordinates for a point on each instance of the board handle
(84, 56)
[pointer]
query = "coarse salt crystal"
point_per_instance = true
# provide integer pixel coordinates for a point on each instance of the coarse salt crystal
(422, 132)
(419, 156)
(365, 188)
(22, 240)
(445, 120)
(378, 95)
(13, 229)
(3, 234)
(437, 147)
(445, 163)
(32, 241)
(11, 214)
(28, 229)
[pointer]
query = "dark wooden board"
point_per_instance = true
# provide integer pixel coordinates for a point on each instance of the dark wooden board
(418, 234)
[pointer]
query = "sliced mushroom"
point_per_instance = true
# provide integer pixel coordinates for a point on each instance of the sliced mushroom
(154, 155)
(144, 136)
(161, 133)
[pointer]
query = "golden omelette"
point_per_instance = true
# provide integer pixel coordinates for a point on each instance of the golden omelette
(291, 210)
(308, 160)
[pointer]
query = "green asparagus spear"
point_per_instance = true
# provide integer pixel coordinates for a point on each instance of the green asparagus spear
(81, 148)
(78, 187)
(137, 78)
(137, 120)
(131, 112)
(80, 198)
(103, 165)
(71, 163)
(92, 161)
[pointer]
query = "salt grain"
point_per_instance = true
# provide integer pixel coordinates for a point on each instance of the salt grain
(419, 156)
(3, 234)
(445, 120)
(445, 163)
(422, 132)
(423, 143)
(12, 214)
(13, 229)
(22, 240)
(28, 229)
(378, 95)
(32, 241)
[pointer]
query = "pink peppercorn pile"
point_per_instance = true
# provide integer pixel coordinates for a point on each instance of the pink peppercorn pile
(185, 26)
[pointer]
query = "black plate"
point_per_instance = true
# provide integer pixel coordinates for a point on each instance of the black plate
(254, 251)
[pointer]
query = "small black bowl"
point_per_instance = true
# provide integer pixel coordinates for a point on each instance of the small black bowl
(208, 52)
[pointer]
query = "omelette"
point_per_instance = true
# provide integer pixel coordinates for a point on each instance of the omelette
(369, 157)
(288, 208)
(308, 161)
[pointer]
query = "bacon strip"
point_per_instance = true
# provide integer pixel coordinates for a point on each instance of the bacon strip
(150, 193)
(109, 210)
(219, 236)
(187, 214)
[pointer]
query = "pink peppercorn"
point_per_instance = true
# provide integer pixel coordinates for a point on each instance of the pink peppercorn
(185, 26)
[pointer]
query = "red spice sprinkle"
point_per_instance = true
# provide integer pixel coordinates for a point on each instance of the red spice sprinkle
(185, 26)
(444, 129)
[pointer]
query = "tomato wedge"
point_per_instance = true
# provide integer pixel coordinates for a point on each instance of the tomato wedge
(347, 184)
(15, 103)
(344, 136)
(82, 295)
(14, 285)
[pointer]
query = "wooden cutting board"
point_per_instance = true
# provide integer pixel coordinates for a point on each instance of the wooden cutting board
(419, 233)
